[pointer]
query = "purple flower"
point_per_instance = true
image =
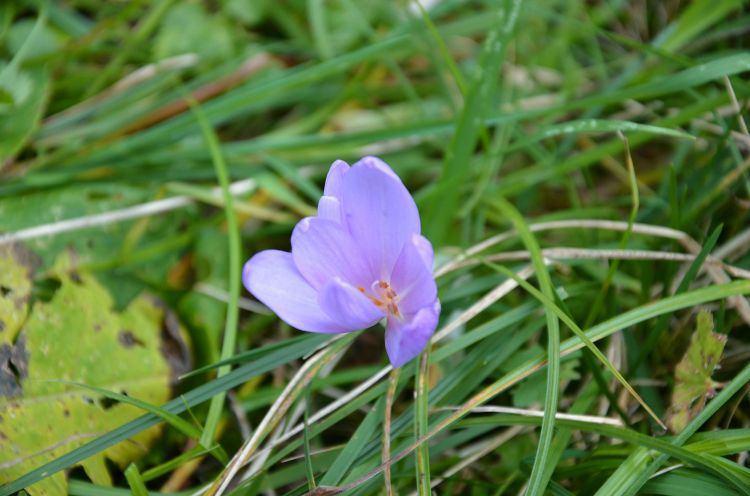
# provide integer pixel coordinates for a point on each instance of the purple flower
(360, 260)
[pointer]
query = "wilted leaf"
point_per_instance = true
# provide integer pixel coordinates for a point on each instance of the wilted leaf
(77, 337)
(693, 383)
(16, 267)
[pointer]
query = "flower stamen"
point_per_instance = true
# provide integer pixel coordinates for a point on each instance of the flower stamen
(386, 298)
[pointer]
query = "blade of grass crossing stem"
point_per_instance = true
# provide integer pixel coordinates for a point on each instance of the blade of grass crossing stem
(628, 479)
(174, 463)
(548, 303)
(178, 423)
(308, 341)
(135, 481)
(537, 481)
(233, 232)
(445, 199)
(421, 423)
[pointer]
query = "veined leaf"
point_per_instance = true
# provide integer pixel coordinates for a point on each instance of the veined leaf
(693, 383)
(77, 337)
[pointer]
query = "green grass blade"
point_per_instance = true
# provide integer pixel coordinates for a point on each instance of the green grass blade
(135, 481)
(456, 168)
(352, 449)
(537, 480)
(548, 303)
(234, 249)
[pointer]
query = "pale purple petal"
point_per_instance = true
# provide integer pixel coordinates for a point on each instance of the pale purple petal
(425, 249)
(412, 278)
(323, 249)
(380, 213)
(329, 207)
(405, 339)
(272, 277)
(379, 164)
(335, 178)
(348, 306)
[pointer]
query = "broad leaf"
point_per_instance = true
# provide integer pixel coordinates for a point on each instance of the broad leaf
(77, 337)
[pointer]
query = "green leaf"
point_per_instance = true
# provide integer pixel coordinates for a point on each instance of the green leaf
(15, 86)
(43, 43)
(693, 383)
(188, 28)
(18, 125)
(687, 482)
(76, 337)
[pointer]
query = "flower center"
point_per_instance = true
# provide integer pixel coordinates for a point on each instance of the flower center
(383, 296)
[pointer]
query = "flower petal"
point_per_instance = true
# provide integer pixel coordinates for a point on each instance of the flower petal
(348, 306)
(272, 277)
(335, 178)
(412, 278)
(425, 249)
(406, 339)
(329, 207)
(378, 164)
(323, 249)
(379, 212)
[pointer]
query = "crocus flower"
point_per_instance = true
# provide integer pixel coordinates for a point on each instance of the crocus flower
(361, 260)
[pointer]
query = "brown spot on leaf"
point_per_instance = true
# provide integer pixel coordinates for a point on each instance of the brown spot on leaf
(26, 257)
(107, 403)
(21, 301)
(128, 339)
(75, 277)
(97, 327)
(2, 325)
